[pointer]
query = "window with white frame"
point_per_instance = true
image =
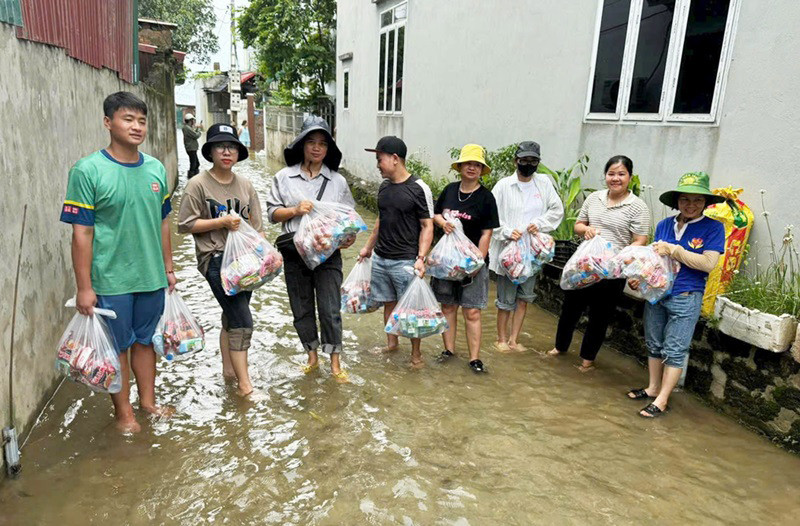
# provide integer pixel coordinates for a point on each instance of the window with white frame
(346, 89)
(660, 60)
(390, 59)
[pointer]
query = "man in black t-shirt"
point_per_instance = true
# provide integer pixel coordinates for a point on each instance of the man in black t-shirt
(402, 234)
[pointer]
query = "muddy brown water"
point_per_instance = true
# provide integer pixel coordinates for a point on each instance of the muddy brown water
(533, 442)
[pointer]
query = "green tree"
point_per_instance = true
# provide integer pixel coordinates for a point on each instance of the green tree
(196, 21)
(296, 46)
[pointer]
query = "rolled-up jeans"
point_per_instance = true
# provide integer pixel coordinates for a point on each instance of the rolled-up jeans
(669, 327)
(311, 291)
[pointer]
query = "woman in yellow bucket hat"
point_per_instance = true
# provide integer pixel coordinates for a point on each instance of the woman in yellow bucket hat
(475, 207)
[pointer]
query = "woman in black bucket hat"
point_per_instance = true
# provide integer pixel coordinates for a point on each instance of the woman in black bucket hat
(312, 161)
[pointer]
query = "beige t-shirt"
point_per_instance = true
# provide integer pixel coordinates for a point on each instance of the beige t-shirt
(206, 198)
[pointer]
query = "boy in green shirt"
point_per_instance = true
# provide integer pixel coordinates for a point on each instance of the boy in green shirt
(117, 202)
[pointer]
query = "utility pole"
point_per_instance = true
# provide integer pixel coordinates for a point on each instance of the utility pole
(234, 76)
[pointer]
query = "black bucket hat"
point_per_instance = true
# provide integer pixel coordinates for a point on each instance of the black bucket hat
(293, 154)
(223, 133)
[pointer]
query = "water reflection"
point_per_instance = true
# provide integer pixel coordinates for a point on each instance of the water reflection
(535, 441)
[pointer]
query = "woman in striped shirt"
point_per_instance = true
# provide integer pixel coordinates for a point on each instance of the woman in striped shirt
(622, 219)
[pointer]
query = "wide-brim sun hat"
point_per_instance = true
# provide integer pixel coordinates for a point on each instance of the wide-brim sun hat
(293, 154)
(691, 183)
(223, 133)
(474, 153)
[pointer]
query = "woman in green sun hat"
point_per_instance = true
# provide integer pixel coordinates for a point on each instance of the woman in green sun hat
(696, 241)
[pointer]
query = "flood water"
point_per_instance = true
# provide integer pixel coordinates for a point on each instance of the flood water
(533, 442)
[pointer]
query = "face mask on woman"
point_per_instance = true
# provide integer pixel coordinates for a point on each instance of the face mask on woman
(527, 170)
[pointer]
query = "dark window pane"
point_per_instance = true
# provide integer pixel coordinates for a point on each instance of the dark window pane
(610, 49)
(651, 56)
(346, 89)
(398, 90)
(390, 73)
(702, 48)
(382, 73)
(386, 18)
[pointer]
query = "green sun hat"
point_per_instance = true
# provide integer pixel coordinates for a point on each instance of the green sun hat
(691, 183)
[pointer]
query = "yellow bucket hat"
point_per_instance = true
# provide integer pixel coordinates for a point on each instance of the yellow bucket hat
(472, 152)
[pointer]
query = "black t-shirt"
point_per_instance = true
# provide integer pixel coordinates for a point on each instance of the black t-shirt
(401, 206)
(477, 211)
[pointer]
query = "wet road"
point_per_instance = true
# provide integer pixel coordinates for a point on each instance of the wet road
(533, 442)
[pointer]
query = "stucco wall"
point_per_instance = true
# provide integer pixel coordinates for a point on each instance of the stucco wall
(52, 116)
(500, 72)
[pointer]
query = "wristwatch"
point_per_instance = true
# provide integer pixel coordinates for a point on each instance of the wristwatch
(423, 258)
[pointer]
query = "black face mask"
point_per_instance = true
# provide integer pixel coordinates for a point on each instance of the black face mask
(527, 170)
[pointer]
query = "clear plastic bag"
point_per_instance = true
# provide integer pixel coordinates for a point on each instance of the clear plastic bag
(417, 314)
(177, 334)
(86, 352)
(357, 290)
(656, 274)
(544, 247)
(588, 265)
(454, 257)
(249, 260)
(517, 261)
(326, 227)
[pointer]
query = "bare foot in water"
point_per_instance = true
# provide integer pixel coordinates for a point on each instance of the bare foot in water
(388, 349)
(516, 347)
(586, 366)
(127, 424)
(244, 389)
(160, 412)
(502, 347)
(553, 352)
(417, 363)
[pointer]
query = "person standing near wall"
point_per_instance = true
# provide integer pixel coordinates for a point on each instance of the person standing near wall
(696, 242)
(312, 161)
(117, 202)
(206, 207)
(622, 219)
(190, 135)
(244, 134)
(402, 235)
(475, 207)
(526, 201)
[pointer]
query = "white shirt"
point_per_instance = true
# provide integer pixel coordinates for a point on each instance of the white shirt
(516, 210)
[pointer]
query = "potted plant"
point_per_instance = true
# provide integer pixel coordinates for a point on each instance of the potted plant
(762, 306)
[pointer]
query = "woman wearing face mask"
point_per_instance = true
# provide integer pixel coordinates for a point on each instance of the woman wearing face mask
(622, 219)
(311, 163)
(207, 203)
(475, 208)
(526, 201)
(696, 242)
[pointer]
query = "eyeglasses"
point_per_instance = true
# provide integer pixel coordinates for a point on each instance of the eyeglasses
(226, 147)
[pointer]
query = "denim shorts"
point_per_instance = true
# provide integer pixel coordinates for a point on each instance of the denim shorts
(475, 295)
(137, 316)
(508, 293)
(669, 327)
(390, 278)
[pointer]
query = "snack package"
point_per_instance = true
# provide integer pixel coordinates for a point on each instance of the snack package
(738, 220)
(248, 261)
(588, 265)
(544, 247)
(417, 314)
(86, 353)
(324, 229)
(517, 260)
(356, 289)
(454, 257)
(656, 274)
(177, 334)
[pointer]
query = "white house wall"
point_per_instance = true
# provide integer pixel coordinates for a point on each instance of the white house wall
(497, 72)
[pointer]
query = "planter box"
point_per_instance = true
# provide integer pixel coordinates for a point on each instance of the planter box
(765, 331)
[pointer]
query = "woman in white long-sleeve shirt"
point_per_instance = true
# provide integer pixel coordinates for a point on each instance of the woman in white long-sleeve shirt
(525, 201)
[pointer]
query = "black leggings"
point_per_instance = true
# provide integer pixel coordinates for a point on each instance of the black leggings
(602, 299)
(235, 309)
(194, 164)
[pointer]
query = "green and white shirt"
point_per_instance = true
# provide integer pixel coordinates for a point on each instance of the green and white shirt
(125, 203)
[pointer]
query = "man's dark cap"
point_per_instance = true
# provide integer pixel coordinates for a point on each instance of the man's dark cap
(391, 145)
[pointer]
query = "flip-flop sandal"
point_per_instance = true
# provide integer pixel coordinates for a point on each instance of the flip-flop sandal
(638, 394)
(477, 366)
(307, 369)
(652, 410)
(445, 356)
(341, 377)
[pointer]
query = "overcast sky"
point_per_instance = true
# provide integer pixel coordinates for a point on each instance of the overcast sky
(185, 94)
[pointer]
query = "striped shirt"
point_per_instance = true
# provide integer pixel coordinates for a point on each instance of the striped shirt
(618, 223)
(291, 185)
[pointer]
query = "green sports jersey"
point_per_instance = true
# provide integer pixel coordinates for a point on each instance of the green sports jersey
(125, 203)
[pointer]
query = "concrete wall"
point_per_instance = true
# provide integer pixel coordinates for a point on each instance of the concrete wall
(52, 116)
(500, 72)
